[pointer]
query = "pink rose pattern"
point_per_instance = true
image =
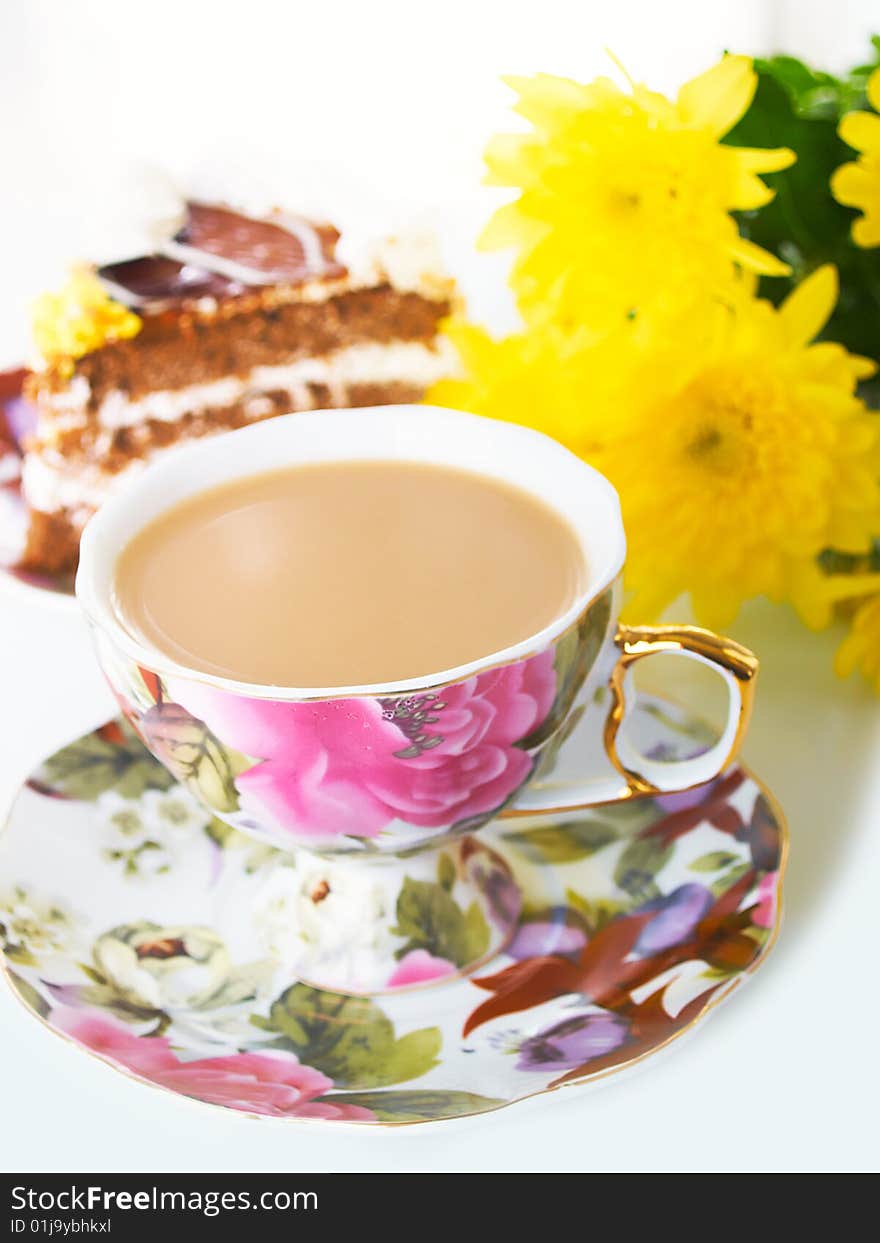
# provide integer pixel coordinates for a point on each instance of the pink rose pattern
(764, 914)
(352, 766)
(418, 967)
(276, 1084)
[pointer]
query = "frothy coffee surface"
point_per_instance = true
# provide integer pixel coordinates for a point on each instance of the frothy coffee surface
(347, 573)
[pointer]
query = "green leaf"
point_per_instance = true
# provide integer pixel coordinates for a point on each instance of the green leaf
(410, 1057)
(445, 872)
(19, 954)
(29, 995)
(713, 861)
(349, 1038)
(257, 855)
(192, 752)
(694, 731)
(95, 976)
(430, 919)
(728, 879)
(104, 996)
(548, 756)
(564, 843)
(579, 903)
(413, 1106)
(639, 864)
(575, 656)
(596, 912)
(718, 973)
(94, 764)
(799, 107)
(225, 836)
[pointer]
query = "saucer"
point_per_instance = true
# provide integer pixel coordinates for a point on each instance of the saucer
(160, 940)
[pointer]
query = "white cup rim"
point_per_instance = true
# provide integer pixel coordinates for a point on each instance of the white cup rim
(418, 433)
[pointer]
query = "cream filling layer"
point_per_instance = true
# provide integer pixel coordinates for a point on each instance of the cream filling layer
(49, 488)
(409, 362)
(49, 484)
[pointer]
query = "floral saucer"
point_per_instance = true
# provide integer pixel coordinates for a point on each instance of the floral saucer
(160, 940)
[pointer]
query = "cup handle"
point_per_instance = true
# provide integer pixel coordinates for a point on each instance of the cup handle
(737, 666)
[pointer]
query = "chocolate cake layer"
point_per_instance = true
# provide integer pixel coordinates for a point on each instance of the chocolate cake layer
(53, 541)
(175, 350)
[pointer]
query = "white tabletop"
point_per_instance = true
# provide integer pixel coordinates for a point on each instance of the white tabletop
(783, 1077)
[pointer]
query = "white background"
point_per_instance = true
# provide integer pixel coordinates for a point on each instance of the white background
(389, 104)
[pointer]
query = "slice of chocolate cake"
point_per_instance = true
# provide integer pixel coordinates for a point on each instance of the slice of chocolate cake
(232, 319)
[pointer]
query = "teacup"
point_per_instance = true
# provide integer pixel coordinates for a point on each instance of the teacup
(402, 773)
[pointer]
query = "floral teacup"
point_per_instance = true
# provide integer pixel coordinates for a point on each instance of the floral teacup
(376, 773)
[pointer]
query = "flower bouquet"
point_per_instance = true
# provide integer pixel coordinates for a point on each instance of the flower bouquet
(699, 286)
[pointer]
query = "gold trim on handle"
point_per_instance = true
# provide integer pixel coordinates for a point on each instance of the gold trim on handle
(635, 642)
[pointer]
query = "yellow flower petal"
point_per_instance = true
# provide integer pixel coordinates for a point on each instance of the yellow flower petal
(718, 98)
(78, 319)
(754, 258)
(849, 184)
(866, 231)
(851, 586)
(506, 228)
(766, 159)
(860, 130)
(503, 157)
(846, 658)
(808, 307)
(861, 649)
(874, 90)
(751, 192)
(544, 96)
(857, 183)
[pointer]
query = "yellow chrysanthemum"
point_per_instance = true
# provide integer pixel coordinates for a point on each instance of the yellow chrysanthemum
(858, 184)
(574, 385)
(759, 456)
(861, 648)
(540, 378)
(79, 318)
(739, 449)
(626, 196)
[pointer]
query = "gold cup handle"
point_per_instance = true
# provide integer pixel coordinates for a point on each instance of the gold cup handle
(737, 666)
(642, 774)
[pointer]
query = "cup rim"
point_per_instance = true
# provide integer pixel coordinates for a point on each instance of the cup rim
(100, 546)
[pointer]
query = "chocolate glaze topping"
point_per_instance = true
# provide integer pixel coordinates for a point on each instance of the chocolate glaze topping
(156, 278)
(285, 248)
(220, 253)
